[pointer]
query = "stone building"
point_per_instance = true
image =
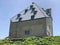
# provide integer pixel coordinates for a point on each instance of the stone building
(33, 21)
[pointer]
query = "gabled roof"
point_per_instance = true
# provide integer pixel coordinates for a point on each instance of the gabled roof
(32, 11)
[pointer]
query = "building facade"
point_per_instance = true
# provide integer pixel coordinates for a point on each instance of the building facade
(33, 21)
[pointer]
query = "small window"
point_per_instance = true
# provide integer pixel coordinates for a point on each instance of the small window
(31, 6)
(25, 11)
(32, 2)
(20, 19)
(32, 17)
(35, 12)
(18, 16)
(33, 9)
(27, 32)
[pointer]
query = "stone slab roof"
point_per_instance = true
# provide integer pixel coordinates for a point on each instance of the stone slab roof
(32, 12)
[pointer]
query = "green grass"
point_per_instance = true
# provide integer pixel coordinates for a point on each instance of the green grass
(50, 40)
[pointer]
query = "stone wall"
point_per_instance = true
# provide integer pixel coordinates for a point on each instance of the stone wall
(36, 27)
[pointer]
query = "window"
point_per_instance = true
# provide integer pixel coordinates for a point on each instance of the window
(31, 6)
(20, 19)
(32, 17)
(33, 9)
(27, 32)
(25, 11)
(35, 12)
(18, 16)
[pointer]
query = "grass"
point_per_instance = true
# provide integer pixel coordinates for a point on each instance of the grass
(50, 40)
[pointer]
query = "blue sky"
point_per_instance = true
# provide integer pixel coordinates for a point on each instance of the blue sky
(9, 8)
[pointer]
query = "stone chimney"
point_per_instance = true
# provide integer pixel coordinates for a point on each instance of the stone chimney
(48, 12)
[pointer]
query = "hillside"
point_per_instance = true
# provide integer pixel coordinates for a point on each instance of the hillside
(52, 40)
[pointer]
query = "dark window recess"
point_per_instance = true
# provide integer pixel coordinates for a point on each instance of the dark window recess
(33, 9)
(43, 9)
(35, 12)
(25, 11)
(10, 33)
(27, 32)
(18, 16)
(32, 17)
(20, 19)
(31, 6)
(32, 2)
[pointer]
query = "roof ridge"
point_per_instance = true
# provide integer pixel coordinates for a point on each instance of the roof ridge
(41, 9)
(40, 13)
